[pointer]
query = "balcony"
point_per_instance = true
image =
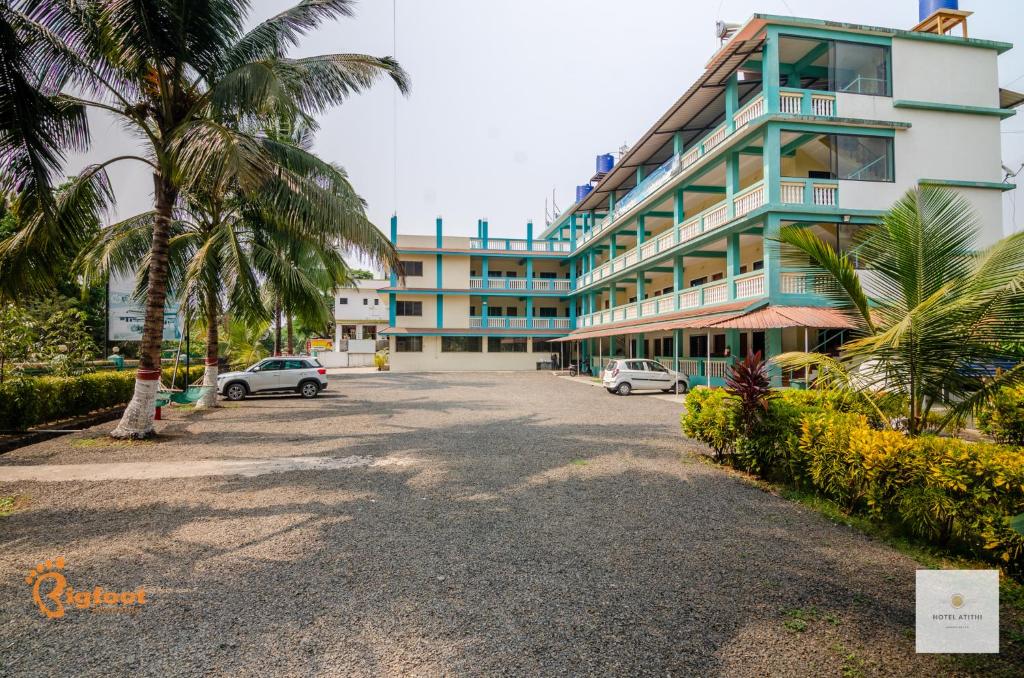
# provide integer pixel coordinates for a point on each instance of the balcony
(520, 323)
(821, 192)
(712, 218)
(747, 286)
(792, 101)
(534, 284)
(519, 245)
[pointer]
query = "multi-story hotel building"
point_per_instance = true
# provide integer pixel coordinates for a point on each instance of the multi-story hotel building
(670, 254)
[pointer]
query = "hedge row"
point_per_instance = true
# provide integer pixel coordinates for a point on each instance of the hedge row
(31, 401)
(1003, 418)
(953, 493)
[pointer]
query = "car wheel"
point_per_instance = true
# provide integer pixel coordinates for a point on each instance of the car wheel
(309, 390)
(682, 388)
(610, 390)
(624, 389)
(235, 392)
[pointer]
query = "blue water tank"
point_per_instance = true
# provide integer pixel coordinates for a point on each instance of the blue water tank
(582, 191)
(605, 163)
(927, 7)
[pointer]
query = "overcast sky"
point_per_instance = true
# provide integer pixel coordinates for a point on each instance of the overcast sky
(513, 99)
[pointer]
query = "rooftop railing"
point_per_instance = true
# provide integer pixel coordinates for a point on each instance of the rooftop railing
(519, 245)
(519, 323)
(537, 284)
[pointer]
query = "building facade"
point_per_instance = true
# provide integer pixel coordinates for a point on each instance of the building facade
(359, 311)
(670, 254)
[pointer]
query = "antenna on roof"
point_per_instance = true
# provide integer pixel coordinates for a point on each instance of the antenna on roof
(623, 149)
(547, 215)
(555, 211)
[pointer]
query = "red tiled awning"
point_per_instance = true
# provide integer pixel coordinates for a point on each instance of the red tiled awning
(774, 317)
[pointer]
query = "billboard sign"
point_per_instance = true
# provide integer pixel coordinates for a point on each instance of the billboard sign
(126, 314)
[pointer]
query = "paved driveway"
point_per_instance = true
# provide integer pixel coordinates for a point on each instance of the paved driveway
(512, 524)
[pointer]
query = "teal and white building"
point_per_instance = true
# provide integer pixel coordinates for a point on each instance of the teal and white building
(669, 254)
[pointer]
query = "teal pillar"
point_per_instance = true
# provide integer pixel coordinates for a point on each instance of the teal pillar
(678, 209)
(677, 143)
(732, 181)
(772, 162)
(440, 310)
(770, 71)
(640, 174)
(731, 101)
(677, 348)
(732, 340)
(529, 236)
(572, 232)
(484, 235)
(732, 262)
(438, 227)
(529, 273)
(639, 292)
(639, 352)
(529, 312)
(641, 229)
(771, 257)
(678, 282)
(483, 312)
(392, 300)
(772, 348)
(613, 247)
(572, 300)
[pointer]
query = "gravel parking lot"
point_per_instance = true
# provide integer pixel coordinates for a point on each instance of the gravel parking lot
(499, 524)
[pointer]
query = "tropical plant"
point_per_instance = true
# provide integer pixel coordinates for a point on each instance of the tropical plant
(932, 313)
(1003, 417)
(16, 336)
(182, 75)
(748, 381)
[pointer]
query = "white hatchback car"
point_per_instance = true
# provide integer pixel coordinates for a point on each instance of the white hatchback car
(294, 373)
(625, 376)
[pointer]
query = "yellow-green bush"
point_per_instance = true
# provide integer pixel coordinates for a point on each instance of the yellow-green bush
(1003, 418)
(948, 491)
(31, 401)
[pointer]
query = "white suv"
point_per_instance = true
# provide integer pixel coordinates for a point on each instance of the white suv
(294, 373)
(625, 376)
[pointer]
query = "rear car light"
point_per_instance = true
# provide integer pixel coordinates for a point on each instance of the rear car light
(615, 372)
(321, 371)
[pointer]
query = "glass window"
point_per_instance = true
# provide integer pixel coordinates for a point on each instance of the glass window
(512, 311)
(863, 158)
(366, 302)
(409, 308)
(544, 346)
(548, 312)
(462, 344)
(656, 367)
(506, 344)
(409, 344)
(412, 269)
(342, 300)
(861, 69)
(295, 365)
(635, 365)
(272, 365)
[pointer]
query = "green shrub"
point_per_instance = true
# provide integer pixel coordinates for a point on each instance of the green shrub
(1003, 418)
(711, 417)
(30, 401)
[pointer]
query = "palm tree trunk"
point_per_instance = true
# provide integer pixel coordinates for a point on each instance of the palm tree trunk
(137, 420)
(291, 332)
(209, 398)
(277, 325)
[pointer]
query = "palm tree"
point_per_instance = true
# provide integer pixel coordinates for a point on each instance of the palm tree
(223, 244)
(932, 313)
(181, 75)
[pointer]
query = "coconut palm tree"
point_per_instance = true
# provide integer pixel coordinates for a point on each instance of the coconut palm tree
(181, 75)
(933, 314)
(224, 244)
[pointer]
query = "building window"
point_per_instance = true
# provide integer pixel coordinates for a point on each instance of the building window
(409, 344)
(462, 344)
(547, 275)
(411, 269)
(366, 302)
(548, 312)
(409, 308)
(512, 311)
(757, 265)
(862, 158)
(834, 66)
(506, 344)
(369, 332)
(494, 311)
(544, 346)
(342, 300)
(698, 281)
(348, 331)
(376, 302)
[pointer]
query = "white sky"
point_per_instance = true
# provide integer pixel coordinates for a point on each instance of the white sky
(513, 99)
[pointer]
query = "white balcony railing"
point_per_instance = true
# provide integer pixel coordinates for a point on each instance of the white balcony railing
(520, 245)
(751, 111)
(748, 200)
(503, 283)
(809, 192)
(520, 323)
(750, 285)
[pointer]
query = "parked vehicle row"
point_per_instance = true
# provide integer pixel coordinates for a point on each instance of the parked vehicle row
(289, 374)
(625, 376)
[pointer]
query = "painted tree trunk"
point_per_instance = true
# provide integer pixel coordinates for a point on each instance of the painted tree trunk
(137, 420)
(209, 398)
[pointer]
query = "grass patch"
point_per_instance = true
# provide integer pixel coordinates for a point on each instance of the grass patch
(578, 462)
(107, 441)
(11, 504)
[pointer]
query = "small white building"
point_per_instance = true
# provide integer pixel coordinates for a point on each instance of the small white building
(359, 315)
